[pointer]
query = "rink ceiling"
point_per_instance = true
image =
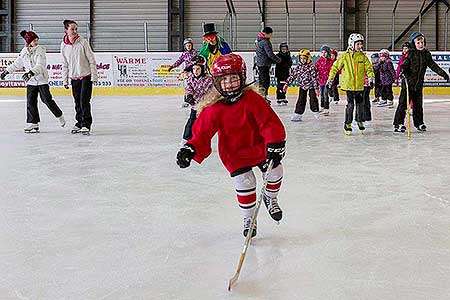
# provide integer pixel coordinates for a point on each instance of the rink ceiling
(111, 216)
(123, 24)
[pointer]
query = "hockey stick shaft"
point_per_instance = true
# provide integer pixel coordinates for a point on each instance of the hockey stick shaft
(252, 227)
(408, 109)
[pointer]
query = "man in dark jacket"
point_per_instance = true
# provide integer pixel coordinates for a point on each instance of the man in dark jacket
(265, 58)
(414, 67)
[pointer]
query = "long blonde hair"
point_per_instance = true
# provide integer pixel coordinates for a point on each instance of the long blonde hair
(213, 96)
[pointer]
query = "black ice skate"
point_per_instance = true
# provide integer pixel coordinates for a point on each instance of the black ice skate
(361, 127)
(273, 208)
(422, 127)
(348, 129)
(32, 128)
(247, 223)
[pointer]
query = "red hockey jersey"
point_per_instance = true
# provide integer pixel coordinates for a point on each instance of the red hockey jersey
(244, 129)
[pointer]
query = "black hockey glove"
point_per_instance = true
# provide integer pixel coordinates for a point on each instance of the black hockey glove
(275, 151)
(185, 155)
(3, 75)
(189, 99)
(27, 76)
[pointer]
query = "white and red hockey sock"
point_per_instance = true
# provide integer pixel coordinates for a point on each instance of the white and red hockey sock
(274, 182)
(245, 185)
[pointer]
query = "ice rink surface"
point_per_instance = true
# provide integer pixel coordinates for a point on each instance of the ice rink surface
(111, 216)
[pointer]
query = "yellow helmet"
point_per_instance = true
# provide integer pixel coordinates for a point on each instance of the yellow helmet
(307, 53)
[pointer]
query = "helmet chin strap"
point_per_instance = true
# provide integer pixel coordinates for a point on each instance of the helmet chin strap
(235, 98)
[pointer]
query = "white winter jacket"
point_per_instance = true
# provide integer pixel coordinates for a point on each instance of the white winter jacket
(78, 60)
(32, 59)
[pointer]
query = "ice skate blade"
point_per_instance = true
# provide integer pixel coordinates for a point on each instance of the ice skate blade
(31, 131)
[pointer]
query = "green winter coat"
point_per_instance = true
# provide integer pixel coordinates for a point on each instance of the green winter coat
(354, 66)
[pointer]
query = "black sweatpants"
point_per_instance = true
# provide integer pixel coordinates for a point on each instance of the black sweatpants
(32, 102)
(416, 97)
(264, 79)
(367, 115)
(387, 93)
(301, 101)
(334, 92)
(400, 112)
(377, 90)
(82, 93)
(354, 98)
(187, 134)
(280, 94)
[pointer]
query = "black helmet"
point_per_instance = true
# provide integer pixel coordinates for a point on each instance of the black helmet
(284, 44)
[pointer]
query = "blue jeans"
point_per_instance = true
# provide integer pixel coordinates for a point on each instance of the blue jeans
(324, 98)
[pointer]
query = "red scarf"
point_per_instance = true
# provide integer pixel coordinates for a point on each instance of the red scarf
(67, 39)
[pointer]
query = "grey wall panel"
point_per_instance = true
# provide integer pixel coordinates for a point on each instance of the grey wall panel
(380, 22)
(203, 11)
(46, 17)
(118, 26)
(301, 22)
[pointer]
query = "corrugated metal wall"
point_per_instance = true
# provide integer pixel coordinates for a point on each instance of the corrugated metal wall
(47, 17)
(301, 22)
(380, 22)
(203, 11)
(119, 25)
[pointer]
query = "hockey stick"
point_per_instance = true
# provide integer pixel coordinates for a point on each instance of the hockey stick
(408, 106)
(252, 227)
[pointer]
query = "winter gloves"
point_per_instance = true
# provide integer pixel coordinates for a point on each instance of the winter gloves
(185, 155)
(189, 99)
(3, 75)
(27, 76)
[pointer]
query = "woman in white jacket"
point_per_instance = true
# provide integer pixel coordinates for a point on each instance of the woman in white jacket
(33, 59)
(79, 65)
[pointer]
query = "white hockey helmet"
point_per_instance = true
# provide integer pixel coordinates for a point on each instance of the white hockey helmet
(187, 41)
(384, 52)
(353, 38)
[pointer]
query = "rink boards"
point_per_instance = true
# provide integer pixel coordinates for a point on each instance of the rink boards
(145, 73)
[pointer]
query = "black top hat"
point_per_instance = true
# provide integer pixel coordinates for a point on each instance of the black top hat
(209, 28)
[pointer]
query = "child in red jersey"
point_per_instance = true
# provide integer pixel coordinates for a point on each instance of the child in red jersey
(249, 134)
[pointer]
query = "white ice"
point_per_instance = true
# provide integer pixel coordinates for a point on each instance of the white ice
(111, 216)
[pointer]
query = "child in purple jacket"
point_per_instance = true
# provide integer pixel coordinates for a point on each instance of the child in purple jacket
(196, 87)
(186, 56)
(308, 82)
(387, 76)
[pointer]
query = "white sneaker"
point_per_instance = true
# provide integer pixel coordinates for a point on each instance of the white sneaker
(296, 117)
(85, 131)
(316, 115)
(32, 128)
(62, 121)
